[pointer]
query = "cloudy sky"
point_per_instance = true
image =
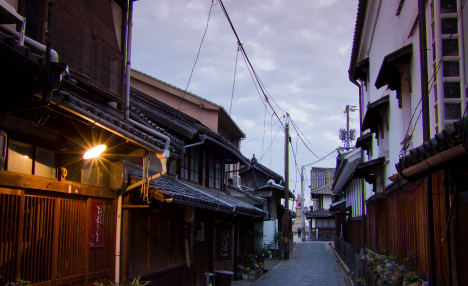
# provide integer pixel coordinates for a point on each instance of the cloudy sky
(300, 50)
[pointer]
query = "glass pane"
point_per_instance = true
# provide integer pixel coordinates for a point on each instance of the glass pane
(452, 90)
(450, 47)
(452, 110)
(318, 223)
(449, 26)
(451, 69)
(45, 163)
(448, 6)
(20, 157)
(332, 223)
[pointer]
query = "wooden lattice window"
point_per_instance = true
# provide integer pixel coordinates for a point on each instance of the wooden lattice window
(214, 173)
(190, 165)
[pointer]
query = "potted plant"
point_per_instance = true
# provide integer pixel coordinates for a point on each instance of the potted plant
(255, 267)
(244, 272)
(249, 258)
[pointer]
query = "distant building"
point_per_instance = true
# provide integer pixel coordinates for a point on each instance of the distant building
(320, 187)
(322, 223)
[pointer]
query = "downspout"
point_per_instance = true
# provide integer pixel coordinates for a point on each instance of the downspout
(363, 190)
(162, 157)
(129, 57)
(31, 43)
(426, 137)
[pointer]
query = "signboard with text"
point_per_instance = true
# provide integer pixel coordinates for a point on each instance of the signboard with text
(224, 243)
(96, 224)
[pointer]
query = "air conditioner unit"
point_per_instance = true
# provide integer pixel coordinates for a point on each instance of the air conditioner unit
(236, 181)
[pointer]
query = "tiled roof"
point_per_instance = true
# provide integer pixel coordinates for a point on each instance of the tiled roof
(194, 95)
(198, 196)
(357, 37)
(437, 151)
(111, 119)
(183, 119)
(319, 213)
(254, 164)
(241, 207)
(177, 88)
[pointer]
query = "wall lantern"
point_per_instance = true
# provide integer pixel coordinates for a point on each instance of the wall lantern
(94, 152)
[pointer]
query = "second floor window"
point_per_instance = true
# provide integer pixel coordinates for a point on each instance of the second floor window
(214, 173)
(190, 165)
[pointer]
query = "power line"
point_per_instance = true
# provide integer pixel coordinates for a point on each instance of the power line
(249, 63)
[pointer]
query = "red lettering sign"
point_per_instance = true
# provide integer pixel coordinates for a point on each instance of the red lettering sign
(96, 224)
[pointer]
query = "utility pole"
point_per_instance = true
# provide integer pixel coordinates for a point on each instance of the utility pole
(286, 190)
(348, 135)
(431, 267)
(302, 204)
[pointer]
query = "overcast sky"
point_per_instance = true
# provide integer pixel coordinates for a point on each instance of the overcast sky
(300, 49)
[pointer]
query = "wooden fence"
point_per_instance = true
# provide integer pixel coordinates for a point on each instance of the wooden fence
(44, 239)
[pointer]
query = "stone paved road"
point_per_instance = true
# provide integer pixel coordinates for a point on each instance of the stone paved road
(311, 263)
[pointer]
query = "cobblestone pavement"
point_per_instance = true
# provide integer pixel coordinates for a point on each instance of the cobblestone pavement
(311, 263)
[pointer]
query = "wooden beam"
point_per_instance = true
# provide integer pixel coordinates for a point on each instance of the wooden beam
(24, 181)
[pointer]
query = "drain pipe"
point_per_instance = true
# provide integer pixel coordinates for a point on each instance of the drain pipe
(31, 43)
(163, 159)
(129, 57)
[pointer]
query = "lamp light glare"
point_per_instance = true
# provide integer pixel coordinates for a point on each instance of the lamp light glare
(94, 152)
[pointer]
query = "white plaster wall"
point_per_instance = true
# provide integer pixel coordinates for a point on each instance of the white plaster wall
(327, 201)
(269, 228)
(258, 227)
(385, 33)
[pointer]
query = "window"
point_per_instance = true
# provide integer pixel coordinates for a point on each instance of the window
(214, 173)
(29, 159)
(324, 223)
(190, 165)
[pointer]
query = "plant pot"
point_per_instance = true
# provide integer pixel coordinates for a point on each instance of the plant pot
(245, 276)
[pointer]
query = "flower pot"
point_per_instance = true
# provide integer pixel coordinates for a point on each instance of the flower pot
(415, 283)
(245, 276)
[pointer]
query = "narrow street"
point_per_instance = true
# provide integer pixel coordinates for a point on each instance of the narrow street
(310, 263)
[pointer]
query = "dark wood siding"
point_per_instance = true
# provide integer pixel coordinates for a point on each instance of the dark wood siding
(44, 239)
(83, 34)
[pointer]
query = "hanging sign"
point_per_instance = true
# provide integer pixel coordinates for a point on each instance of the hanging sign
(96, 224)
(224, 243)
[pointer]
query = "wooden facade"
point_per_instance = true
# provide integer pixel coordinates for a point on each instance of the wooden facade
(397, 225)
(44, 238)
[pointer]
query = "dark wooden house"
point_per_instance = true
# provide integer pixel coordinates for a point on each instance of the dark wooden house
(58, 210)
(258, 179)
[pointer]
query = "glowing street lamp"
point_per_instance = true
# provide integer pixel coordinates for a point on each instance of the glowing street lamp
(94, 152)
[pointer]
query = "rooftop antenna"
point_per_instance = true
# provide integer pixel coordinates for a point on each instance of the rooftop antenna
(347, 135)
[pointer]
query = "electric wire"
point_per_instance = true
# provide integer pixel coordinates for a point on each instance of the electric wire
(300, 133)
(234, 83)
(196, 60)
(247, 59)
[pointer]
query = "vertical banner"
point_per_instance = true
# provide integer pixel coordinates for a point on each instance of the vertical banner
(96, 224)
(224, 243)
